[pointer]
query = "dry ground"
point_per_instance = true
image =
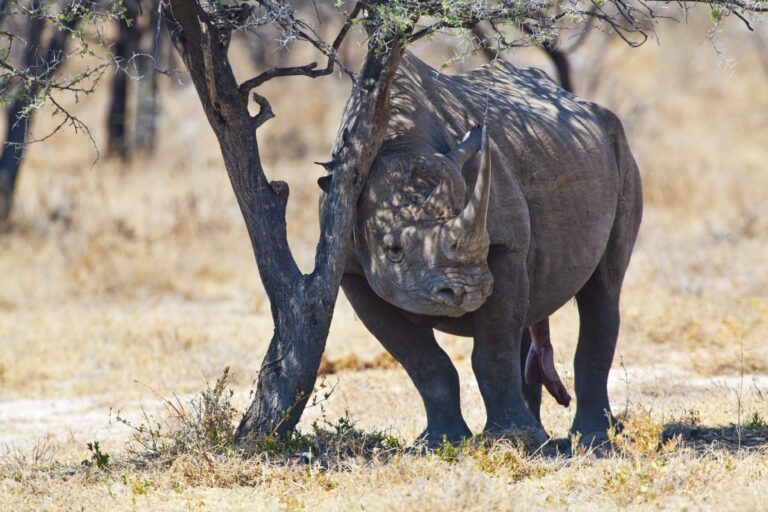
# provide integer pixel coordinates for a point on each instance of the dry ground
(124, 283)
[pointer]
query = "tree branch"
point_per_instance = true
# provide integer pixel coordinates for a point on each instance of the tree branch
(265, 113)
(308, 70)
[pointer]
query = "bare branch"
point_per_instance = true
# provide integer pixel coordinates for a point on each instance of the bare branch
(745, 20)
(309, 70)
(430, 29)
(76, 124)
(582, 37)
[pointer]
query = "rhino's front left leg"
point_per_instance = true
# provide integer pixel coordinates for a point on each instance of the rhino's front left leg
(498, 327)
(415, 348)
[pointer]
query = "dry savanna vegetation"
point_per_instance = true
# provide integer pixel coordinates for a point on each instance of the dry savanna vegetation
(129, 288)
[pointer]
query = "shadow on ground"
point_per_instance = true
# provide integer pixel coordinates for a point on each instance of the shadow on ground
(731, 438)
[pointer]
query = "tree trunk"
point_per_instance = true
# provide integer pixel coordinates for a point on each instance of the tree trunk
(13, 152)
(124, 49)
(302, 305)
(562, 65)
(146, 100)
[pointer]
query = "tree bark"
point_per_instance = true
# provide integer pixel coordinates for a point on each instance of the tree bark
(302, 305)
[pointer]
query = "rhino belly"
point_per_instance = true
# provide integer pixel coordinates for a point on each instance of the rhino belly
(569, 234)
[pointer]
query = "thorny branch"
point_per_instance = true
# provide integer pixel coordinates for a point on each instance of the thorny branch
(633, 21)
(291, 25)
(537, 23)
(31, 83)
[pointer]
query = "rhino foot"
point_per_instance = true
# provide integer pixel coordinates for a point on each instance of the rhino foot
(598, 441)
(532, 437)
(594, 439)
(436, 437)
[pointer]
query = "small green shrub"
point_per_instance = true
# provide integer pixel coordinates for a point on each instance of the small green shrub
(98, 458)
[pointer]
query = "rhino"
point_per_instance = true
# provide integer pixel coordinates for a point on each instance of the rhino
(496, 197)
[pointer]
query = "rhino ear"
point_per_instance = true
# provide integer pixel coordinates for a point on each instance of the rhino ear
(468, 147)
(325, 183)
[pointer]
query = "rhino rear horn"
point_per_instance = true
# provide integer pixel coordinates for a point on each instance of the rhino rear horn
(470, 225)
(468, 147)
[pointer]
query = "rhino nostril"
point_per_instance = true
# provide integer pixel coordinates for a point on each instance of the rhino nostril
(450, 294)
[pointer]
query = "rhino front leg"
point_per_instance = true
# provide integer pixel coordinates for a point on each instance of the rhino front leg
(414, 347)
(498, 327)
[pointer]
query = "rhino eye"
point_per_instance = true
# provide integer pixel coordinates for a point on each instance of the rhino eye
(395, 253)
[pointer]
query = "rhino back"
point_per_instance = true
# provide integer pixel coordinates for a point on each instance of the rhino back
(555, 176)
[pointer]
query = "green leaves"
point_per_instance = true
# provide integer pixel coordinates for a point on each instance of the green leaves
(98, 458)
(718, 13)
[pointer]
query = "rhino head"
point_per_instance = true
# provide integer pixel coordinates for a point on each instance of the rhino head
(424, 246)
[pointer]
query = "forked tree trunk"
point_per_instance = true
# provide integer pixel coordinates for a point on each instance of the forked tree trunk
(302, 305)
(17, 122)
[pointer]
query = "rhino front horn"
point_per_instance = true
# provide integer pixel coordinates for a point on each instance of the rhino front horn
(469, 227)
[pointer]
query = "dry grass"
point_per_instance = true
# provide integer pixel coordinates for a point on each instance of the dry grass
(119, 275)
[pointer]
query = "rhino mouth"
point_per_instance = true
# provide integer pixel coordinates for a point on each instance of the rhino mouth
(459, 296)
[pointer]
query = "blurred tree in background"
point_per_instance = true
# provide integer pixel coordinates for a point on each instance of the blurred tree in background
(35, 36)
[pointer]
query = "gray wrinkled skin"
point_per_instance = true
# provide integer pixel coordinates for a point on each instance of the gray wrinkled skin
(563, 200)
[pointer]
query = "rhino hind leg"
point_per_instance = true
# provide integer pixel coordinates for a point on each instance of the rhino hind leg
(598, 303)
(599, 328)
(416, 349)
